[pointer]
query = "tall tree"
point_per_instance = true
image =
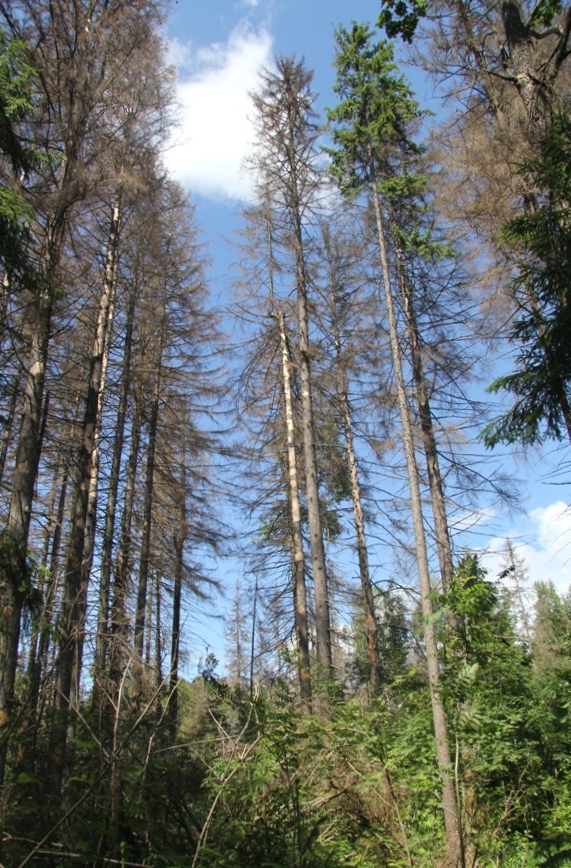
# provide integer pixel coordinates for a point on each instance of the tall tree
(372, 129)
(285, 166)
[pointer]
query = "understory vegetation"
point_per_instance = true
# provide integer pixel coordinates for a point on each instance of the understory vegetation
(248, 777)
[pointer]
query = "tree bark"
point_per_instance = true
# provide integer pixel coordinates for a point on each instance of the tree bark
(76, 580)
(102, 638)
(368, 600)
(148, 503)
(14, 539)
(8, 423)
(452, 822)
(321, 591)
(298, 560)
(119, 620)
(436, 485)
(179, 538)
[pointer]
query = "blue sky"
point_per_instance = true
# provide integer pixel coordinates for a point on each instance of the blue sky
(219, 47)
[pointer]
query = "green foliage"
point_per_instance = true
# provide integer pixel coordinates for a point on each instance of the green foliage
(255, 782)
(544, 12)
(17, 570)
(541, 239)
(401, 18)
(376, 109)
(507, 718)
(394, 640)
(16, 103)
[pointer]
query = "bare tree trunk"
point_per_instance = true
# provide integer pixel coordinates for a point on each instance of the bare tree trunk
(454, 842)
(44, 587)
(149, 622)
(429, 440)
(179, 538)
(14, 539)
(322, 614)
(76, 581)
(368, 600)
(123, 565)
(371, 628)
(253, 637)
(8, 423)
(148, 505)
(111, 508)
(298, 561)
(158, 636)
(91, 517)
(47, 614)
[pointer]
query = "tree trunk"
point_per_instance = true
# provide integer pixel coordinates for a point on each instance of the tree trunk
(8, 423)
(148, 506)
(368, 600)
(76, 581)
(111, 508)
(454, 843)
(179, 538)
(14, 539)
(158, 634)
(322, 615)
(298, 561)
(119, 620)
(429, 440)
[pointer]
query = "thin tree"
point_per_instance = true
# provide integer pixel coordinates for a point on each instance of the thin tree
(338, 298)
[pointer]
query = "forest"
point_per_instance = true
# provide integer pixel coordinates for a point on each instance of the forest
(338, 397)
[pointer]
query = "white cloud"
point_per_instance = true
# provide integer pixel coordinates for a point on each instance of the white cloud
(544, 544)
(216, 134)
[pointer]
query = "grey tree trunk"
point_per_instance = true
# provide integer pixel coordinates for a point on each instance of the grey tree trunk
(119, 619)
(140, 611)
(179, 538)
(102, 638)
(287, 136)
(454, 842)
(158, 634)
(298, 560)
(436, 485)
(76, 580)
(368, 600)
(321, 591)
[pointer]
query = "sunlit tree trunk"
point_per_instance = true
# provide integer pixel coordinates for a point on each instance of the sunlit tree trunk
(102, 638)
(119, 619)
(76, 579)
(298, 561)
(436, 485)
(287, 137)
(454, 843)
(141, 606)
(368, 600)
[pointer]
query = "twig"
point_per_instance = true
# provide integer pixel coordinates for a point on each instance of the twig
(204, 833)
(98, 778)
